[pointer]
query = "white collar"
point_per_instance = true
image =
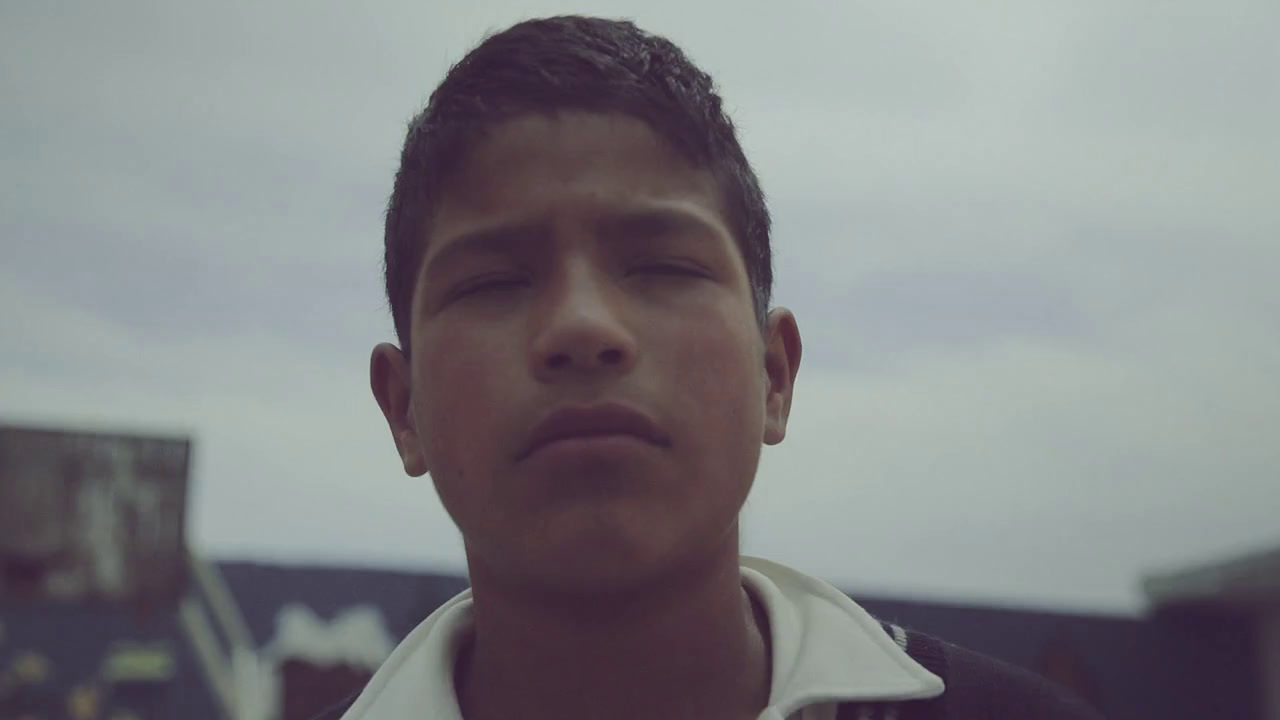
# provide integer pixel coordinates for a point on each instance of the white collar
(825, 649)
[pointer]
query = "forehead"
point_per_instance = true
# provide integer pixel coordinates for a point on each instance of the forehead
(536, 168)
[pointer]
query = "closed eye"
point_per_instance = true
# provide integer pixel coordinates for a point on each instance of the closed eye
(669, 269)
(488, 283)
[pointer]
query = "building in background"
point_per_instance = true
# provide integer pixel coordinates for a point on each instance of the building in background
(87, 517)
(1246, 590)
(93, 568)
(105, 614)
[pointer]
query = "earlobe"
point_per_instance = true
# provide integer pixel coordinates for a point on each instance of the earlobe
(781, 363)
(389, 378)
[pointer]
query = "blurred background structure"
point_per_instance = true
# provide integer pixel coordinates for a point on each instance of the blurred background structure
(105, 613)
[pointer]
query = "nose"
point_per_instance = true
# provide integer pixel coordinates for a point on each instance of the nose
(582, 331)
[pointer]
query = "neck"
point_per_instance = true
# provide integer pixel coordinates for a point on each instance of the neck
(696, 647)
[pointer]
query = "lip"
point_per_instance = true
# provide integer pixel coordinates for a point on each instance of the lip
(587, 421)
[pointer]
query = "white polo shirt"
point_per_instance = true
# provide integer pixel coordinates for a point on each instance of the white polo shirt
(826, 650)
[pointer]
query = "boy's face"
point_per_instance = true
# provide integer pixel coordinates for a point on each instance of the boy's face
(575, 261)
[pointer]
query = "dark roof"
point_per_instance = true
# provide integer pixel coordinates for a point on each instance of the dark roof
(1244, 582)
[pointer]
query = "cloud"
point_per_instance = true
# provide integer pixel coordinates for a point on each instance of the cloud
(1042, 470)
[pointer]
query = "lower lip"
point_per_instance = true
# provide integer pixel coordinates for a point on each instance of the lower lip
(590, 447)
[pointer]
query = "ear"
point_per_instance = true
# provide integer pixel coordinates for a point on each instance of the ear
(389, 375)
(782, 351)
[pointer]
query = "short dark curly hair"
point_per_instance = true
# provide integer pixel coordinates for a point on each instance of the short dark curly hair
(569, 63)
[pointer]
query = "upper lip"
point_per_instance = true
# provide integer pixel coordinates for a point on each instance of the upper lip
(586, 420)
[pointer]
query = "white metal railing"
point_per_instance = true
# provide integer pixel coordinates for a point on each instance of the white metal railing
(234, 675)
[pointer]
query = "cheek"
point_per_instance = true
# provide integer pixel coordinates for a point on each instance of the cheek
(721, 405)
(721, 377)
(457, 380)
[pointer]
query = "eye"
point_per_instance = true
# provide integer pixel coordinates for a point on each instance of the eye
(492, 282)
(668, 268)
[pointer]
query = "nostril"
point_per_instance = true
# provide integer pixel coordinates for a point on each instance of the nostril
(612, 356)
(558, 361)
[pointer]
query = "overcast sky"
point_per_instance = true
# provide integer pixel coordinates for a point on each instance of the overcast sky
(1033, 249)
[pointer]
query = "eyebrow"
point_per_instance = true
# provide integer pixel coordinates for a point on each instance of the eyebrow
(622, 226)
(648, 223)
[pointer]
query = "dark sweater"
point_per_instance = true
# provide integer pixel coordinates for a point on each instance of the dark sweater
(978, 688)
